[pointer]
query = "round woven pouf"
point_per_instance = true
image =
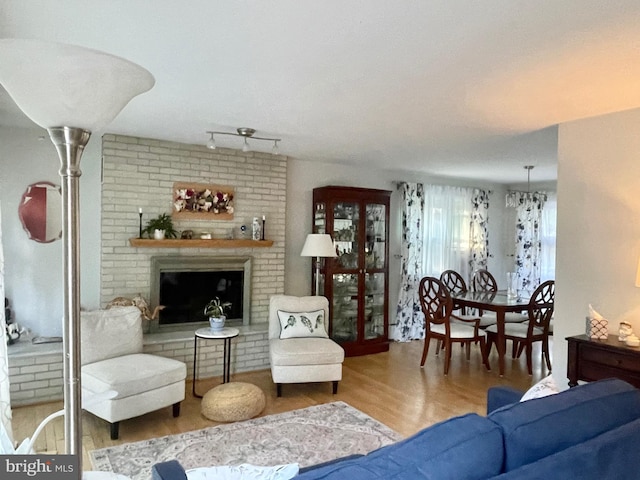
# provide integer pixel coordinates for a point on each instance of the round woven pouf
(232, 402)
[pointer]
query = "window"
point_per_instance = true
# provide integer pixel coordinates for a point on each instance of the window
(447, 224)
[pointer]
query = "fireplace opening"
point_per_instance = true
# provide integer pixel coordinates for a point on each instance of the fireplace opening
(184, 285)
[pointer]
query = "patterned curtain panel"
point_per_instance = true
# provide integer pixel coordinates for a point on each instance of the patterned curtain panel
(528, 246)
(478, 234)
(5, 399)
(409, 318)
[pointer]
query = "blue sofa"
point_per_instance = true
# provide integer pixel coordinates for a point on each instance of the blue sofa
(589, 432)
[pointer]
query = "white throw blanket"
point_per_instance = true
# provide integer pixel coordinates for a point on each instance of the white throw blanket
(244, 472)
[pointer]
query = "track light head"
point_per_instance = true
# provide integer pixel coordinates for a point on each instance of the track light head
(211, 144)
(245, 133)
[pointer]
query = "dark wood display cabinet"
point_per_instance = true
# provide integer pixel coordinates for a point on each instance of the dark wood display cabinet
(356, 282)
(591, 360)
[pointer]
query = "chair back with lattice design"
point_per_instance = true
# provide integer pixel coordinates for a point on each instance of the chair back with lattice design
(541, 306)
(483, 281)
(453, 281)
(435, 301)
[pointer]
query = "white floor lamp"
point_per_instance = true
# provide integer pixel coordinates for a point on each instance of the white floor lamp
(70, 91)
(319, 245)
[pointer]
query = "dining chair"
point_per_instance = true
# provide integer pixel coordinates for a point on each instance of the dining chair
(455, 284)
(437, 306)
(484, 281)
(453, 281)
(536, 329)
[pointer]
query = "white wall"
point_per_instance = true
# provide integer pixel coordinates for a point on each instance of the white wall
(33, 271)
(304, 176)
(598, 241)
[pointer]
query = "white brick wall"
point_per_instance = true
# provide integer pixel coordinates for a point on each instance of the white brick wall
(139, 173)
(35, 371)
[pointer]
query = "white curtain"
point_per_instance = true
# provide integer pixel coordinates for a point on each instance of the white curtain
(548, 238)
(5, 399)
(409, 318)
(447, 229)
(529, 207)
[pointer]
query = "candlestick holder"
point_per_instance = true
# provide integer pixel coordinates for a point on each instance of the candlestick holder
(140, 234)
(263, 224)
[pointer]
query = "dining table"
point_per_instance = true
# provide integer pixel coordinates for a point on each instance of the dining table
(498, 302)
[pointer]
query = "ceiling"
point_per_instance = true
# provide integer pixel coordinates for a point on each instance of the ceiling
(450, 88)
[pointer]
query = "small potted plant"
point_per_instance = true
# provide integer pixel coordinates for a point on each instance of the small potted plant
(161, 227)
(215, 311)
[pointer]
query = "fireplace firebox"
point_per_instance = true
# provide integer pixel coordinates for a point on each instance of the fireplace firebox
(184, 285)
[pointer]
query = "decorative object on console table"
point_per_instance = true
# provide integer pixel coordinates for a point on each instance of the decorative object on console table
(357, 283)
(597, 325)
(202, 201)
(591, 360)
(264, 221)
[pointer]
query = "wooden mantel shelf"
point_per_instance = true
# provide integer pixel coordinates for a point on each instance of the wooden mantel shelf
(198, 243)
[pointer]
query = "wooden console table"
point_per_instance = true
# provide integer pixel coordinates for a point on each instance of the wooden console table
(591, 360)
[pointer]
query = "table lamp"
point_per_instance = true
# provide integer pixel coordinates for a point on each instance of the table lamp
(70, 91)
(318, 245)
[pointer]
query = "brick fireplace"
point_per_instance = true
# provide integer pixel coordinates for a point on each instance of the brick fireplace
(139, 173)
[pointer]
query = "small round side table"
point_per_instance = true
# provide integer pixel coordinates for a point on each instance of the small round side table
(225, 334)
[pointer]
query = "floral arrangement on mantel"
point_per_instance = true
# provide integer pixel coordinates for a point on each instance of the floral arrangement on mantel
(210, 201)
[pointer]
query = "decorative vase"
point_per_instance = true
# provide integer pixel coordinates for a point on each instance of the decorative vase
(158, 234)
(216, 323)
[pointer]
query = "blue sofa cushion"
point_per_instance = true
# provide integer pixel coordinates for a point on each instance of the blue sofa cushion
(467, 447)
(501, 396)
(171, 470)
(540, 427)
(609, 455)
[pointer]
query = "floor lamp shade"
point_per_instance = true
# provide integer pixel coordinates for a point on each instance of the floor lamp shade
(70, 91)
(318, 245)
(59, 85)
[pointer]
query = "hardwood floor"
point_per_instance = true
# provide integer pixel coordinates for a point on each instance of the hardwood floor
(390, 387)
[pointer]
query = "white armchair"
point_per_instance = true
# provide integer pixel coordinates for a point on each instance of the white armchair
(300, 350)
(112, 359)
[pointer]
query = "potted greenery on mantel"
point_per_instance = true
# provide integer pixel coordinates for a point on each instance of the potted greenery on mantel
(160, 227)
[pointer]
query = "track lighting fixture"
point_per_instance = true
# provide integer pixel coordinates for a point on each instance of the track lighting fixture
(246, 133)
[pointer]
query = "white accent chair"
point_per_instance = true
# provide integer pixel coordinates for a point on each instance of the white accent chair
(302, 359)
(112, 359)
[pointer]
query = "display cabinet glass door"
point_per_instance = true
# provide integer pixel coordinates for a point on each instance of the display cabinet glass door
(346, 219)
(374, 306)
(356, 281)
(375, 276)
(345, 307)
(375, 246)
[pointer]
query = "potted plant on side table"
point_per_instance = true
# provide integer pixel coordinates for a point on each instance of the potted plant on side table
(215, 311)
(161, 227)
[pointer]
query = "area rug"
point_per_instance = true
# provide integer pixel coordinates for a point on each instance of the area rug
(307, 436)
